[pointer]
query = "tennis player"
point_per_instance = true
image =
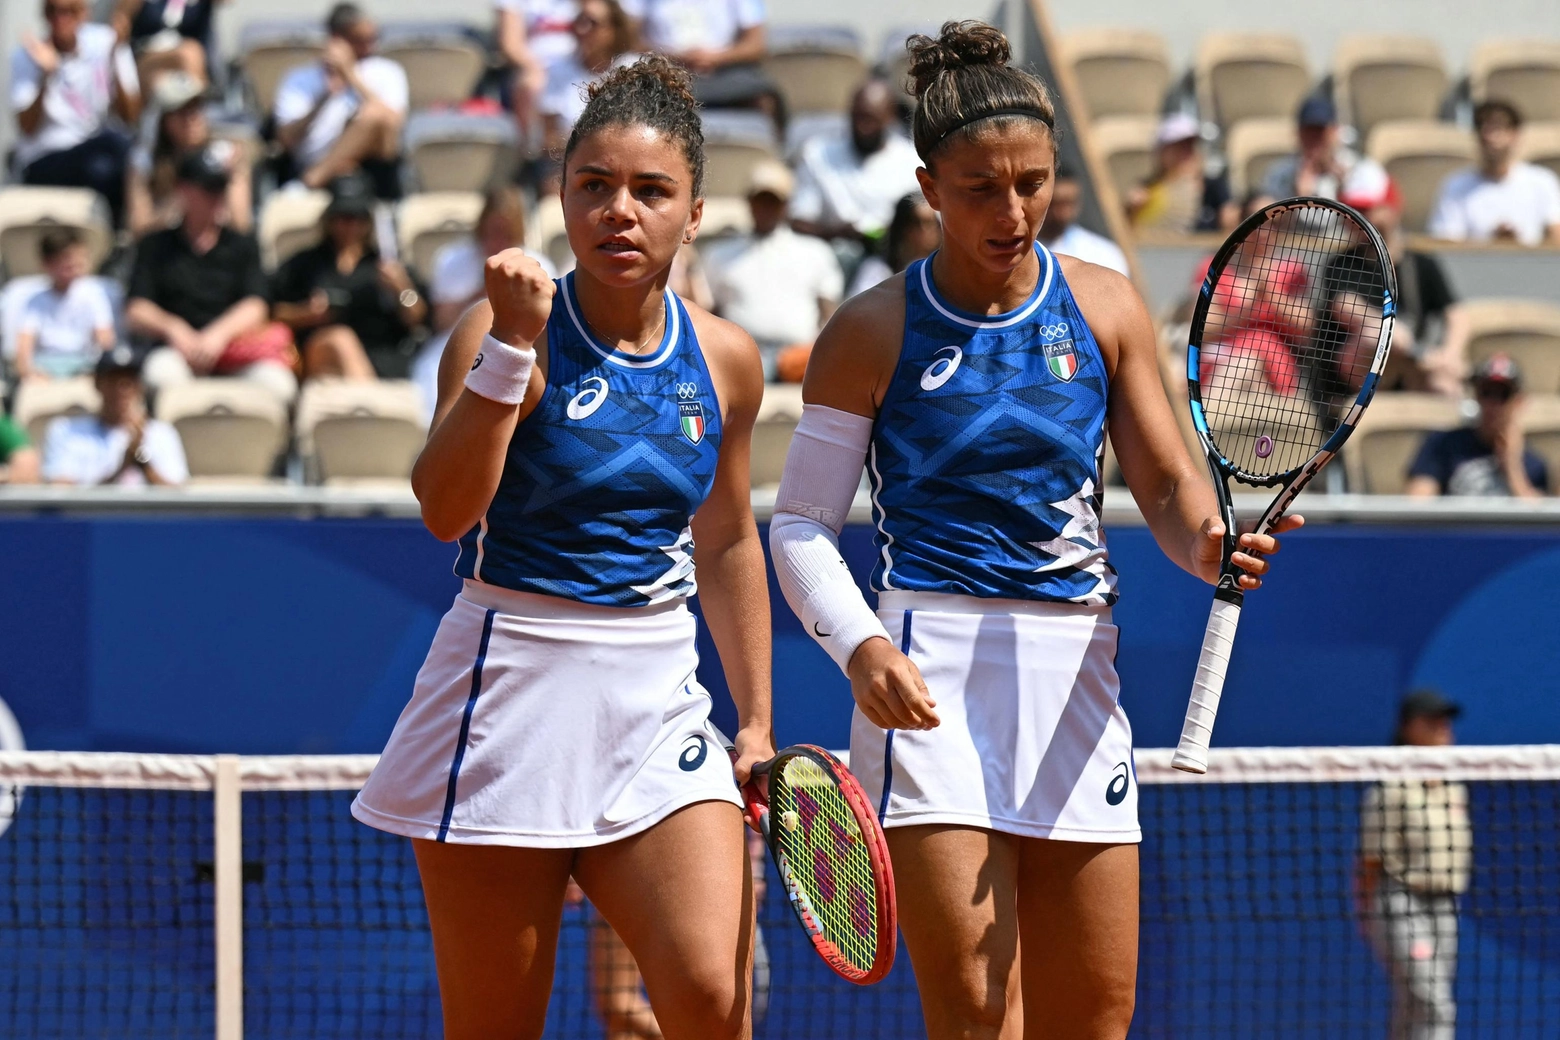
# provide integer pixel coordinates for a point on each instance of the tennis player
(976, 386)
(556, 727)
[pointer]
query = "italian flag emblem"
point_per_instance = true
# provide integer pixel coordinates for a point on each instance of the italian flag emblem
(691, 413)
(1061, 360)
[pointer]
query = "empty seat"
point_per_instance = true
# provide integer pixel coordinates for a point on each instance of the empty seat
(776, 422)
(815, 67)
(1377, 455)
(1253, 146)
(27, 213)
(289, 222)
(352, 431)
(39, 402)
(1528, 330)
(735, 142)
(1523, 72)
(1249, 75)
(443, 61)
(1420, 155)
(1126, 143)
(1541, 144)
(269, 48)
(429, 220)
(231, 428)
(451, 151)
(1541, 432)
(1119, 71)
(1378, 78)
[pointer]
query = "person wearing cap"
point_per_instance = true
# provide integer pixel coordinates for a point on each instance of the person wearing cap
(1501, 199)
(198, 293)
(120, 444)
(1416, 858)
(1180, 195)
(778, 285)
(1488, 458)
(352, 309)
(1322, 167)
(181, 127)
(1063, 234)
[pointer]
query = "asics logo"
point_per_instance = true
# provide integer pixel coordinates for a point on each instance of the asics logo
(584, 404)
(695, 750)
(687, 391)
(942, 369)
(477, 363)
(1116, 790)
(1054, 332)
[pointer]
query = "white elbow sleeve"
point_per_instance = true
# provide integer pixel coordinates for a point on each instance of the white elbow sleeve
(822, 473)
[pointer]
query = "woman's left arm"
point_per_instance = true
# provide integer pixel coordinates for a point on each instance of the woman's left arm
(733, 587)
(1171, 489)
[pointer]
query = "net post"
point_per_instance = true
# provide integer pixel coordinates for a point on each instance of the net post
(229, 854)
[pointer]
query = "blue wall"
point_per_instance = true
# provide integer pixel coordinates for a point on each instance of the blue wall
(278, 635)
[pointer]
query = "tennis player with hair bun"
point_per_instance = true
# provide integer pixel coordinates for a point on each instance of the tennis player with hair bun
(976, 386)
(557, 728)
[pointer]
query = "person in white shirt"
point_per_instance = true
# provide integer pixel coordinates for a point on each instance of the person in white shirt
(1062, 233)
(720, 41)
(848, 184)
(778, 285)
(604, 38)
(1501, 198)
(65, 326)
(119, 445)
(346, 110)
(532, 37)
(1322, 167)
(63, 90)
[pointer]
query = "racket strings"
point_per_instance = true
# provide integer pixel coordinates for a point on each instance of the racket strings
(1291, 332)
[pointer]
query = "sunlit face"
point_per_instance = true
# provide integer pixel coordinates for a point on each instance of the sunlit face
(121, 394)
(1497, 139)
(993, 191)
(64, 18)
(1422, 731)
(69, 265)
(593, 28)
(363, 35)
(628, 203)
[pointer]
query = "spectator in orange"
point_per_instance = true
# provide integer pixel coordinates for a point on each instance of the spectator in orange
(1181, 196)
(1488, 459)
(1501, 199)
(166, 36)
(119, 445)
(68, 323)
(181, 128)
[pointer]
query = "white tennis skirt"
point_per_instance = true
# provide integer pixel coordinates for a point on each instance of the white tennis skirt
(546, 723)
(1033, 739)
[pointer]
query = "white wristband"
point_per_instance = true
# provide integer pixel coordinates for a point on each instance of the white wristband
(501, 372)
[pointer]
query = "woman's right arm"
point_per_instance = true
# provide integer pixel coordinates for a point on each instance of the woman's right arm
(458, 471)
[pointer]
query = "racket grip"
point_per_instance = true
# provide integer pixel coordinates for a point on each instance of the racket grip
(1191, 755)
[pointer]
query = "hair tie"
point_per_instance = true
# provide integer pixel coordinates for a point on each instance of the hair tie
(1012, 110)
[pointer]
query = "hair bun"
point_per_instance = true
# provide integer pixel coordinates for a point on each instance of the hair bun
(652, 69)
(958, 45)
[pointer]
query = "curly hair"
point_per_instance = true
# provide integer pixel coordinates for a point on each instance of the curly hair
(962, 78)
(651, 92)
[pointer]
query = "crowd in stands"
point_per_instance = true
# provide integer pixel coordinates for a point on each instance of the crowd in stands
(196, 159)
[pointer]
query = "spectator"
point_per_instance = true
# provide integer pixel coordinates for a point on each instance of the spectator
(720, 41)
(354, 310)
(18, 458)
(63, 89)
(198, 292)
(457, 280)
(65, 326)
(603, 37)
(847, 184)
(181, 127)
(1488, 458)
(1416, 855)
(344, 112)
(119, 445)
(1180, 196)
(779, 286)
(1502, 199)
(914, 232)
(533, 36)
(166, 36)
(1322, 167)
(1063, 234)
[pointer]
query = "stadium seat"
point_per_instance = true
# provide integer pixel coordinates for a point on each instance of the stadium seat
(427, 221)
(725, 215)
(268, 48)
(1120, 71)
(231, 428)
(1420, 154)
(1528, 330)
(735, 142)
(1523, 72)
(1126, 143)
(1249, 75)
(1254, 145)
(777, 417)
(1541, 429)
(443, 61)
(289, 221)
(815, 67)
(1378, 78)
(1541, 144)
(38, 402)
(449, 151)
(1378, 454)
(27, 213)
(353, 431)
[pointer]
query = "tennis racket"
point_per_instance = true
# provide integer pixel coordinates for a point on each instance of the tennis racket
(1287, 344)
(825, 841)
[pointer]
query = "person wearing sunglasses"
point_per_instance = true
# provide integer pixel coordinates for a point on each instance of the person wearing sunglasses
(1488, 458)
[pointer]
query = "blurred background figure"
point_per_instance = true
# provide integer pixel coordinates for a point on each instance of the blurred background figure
(1489, 458)
(720, 41)
(120, 444)
(67, 324)
(914, 232)
(1181, 196)
(603, 37)
(1501, 199)
(1416, 854)
(180, 126)
(1063, 234)
(166, 36)
(532, 37)
(1322, 167)
(19, 461)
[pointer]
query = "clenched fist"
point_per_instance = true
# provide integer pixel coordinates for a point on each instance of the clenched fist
(521, 295)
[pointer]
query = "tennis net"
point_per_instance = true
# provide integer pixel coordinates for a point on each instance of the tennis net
(194, 896)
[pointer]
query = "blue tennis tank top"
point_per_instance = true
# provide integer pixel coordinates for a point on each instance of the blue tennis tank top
(986, 455)
(601, 481)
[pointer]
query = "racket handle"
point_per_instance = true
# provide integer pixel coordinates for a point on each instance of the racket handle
(1191, 755)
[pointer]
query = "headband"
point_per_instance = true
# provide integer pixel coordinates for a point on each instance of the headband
(1012, 110)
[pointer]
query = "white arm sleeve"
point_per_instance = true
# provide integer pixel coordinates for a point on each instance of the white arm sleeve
(822, 473)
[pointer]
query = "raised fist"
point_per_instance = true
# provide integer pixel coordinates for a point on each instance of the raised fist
(521, 295)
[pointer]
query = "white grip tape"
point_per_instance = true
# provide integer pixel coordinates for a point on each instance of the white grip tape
(1191, 755)
(501, 372)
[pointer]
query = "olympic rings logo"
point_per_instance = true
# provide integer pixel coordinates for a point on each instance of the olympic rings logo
(687, 391)
(1054, 332)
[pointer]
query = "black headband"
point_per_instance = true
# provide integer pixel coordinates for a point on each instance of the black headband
(1012, 110)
